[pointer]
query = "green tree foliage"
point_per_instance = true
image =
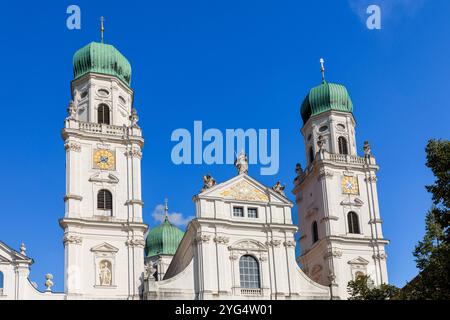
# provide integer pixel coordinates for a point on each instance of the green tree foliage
(438, 160)
(362, 289)
(432, 253)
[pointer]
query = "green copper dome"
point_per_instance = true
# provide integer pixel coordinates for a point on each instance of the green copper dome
(326, 97)
(101, 58)
(164, 239)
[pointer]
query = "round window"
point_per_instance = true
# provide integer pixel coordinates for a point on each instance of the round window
(103, 92)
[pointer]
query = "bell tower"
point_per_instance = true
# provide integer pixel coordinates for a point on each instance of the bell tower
(103, 226)
(336, 194)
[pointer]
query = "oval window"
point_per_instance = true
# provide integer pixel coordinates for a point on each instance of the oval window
(323, 128)
(122, 100)
(340, 126)
(103, 92)
(84, 94)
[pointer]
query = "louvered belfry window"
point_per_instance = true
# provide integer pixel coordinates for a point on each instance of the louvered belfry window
(353, 223)
(104, 200)
(103, 114)
(343, 147)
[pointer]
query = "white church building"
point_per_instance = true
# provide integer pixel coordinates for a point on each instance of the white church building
(241, 243)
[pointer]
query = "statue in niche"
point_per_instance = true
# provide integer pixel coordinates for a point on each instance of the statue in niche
(241, 163)
(105, 273)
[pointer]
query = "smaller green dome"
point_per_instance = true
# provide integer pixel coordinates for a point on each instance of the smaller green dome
(163, 239)
(101, 58)
(326, 97)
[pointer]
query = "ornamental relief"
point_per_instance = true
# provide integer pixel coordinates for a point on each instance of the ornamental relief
(289, 243)
(135, 243)
(73, 146)
(221, 240)
(323, 174)
(72, 240)
(274, 243)
(135, 153)
(247, 245)
(334, 254)
(244, 191)
(203, 238)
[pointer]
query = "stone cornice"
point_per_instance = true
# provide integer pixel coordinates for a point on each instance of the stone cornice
(73, 197)
(122, 224)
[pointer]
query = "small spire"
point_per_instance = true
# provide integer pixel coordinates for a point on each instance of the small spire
(166, 209)
(322, 69)
(102, 28)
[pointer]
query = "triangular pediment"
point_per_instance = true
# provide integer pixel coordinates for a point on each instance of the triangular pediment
(9, 255)
(359, 260)
(104, 177)
(104, 247)
(244, 188)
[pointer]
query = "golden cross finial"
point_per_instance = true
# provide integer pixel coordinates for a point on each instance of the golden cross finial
(102, 29)
(322, 68)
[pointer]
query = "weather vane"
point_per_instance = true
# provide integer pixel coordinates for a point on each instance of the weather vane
(102, 29)
(322, 69)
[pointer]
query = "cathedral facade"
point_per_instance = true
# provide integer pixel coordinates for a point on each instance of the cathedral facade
(241, 243)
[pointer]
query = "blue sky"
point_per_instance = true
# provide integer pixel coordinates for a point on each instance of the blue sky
(231, 64)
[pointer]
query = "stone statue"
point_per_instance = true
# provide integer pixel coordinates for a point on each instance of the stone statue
(76, 97)
(105, 274)
(320, 142)
(241, 163)
(279, 188)
(208, 182)
(72, 110)
(48, 282)
(134, 118)
(298, 169)
(150, 272)
(367, 150)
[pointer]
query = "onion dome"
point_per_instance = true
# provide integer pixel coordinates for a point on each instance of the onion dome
(101, 58)
(325, 97)
(163, 239)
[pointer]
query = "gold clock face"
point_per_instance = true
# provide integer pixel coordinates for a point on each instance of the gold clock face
(350, 185)
(104, 159)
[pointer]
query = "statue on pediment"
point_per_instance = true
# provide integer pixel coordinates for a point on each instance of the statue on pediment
(241, 163)
(208, 182)
(279, 188)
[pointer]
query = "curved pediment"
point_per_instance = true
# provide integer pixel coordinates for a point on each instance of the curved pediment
(248, 245)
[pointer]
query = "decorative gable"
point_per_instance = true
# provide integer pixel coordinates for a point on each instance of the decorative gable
(358, 261)
(244, 191)
(104, 247)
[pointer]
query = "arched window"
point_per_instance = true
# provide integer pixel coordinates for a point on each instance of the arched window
(104, 200)
(103, 114)
(249, 272)
(1, 282)
(342, 143)
(353, 223)
(315, 232)
(311, 154)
